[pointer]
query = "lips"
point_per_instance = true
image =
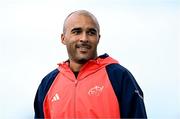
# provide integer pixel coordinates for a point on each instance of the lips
(83, 46)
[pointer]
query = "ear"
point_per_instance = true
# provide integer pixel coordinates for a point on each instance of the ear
(63, 39)
(99, 38)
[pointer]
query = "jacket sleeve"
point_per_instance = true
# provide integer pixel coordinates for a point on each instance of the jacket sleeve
(41, 93)
(128, 92)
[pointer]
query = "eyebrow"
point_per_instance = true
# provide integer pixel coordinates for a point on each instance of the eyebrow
(92, 29)
(80, 29)
(76, 29)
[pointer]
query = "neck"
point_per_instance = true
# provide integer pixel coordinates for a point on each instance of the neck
(75, 67)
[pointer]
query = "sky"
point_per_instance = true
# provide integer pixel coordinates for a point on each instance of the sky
(143, 35)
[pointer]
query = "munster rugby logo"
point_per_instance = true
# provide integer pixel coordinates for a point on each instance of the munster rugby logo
(95, 91)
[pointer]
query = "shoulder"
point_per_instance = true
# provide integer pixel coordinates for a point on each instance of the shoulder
(118, 70)
(48, 80)
(49, 77)
(51, 74)
(121, 76)
(116, 66)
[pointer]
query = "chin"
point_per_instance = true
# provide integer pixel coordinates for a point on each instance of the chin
(83, 58)
(82, 61)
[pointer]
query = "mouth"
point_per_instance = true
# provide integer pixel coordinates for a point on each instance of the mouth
(83, 47)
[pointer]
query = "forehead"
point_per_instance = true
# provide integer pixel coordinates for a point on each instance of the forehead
(81, 21)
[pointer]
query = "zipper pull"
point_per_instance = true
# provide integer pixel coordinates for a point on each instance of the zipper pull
(75, 82)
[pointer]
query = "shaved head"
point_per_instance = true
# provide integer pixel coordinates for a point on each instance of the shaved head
(83, 13)
(81, 37)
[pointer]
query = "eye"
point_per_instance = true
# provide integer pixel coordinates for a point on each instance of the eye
(92, 32)
(76, 31)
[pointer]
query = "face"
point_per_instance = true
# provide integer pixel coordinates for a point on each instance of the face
(81, 38)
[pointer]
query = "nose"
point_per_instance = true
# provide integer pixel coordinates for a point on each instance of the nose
(84, 37)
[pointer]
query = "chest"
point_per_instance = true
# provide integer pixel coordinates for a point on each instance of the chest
(89, 96)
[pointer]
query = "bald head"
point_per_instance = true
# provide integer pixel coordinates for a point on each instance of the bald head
(79, 13)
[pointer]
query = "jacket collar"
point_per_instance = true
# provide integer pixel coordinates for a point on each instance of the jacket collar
(89, 67)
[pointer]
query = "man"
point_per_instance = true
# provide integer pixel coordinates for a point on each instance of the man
(87, 85)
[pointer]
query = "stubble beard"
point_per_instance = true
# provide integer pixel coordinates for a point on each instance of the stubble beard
(82, 58)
